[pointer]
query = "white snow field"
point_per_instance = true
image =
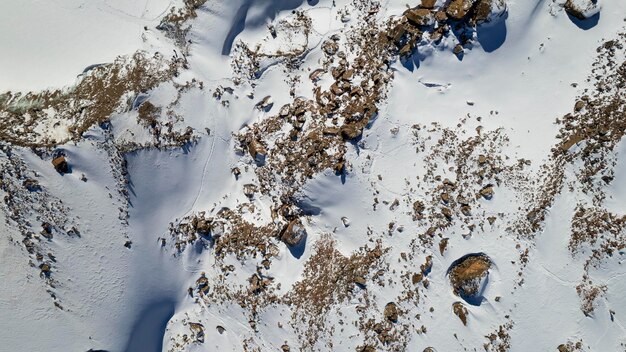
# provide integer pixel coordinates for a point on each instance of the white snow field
(517, 76)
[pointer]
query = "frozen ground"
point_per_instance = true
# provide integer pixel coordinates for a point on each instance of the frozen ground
(500, 99)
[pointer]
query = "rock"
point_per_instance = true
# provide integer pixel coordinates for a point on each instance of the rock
(488, 10)
(220, 329)
(360, 280)
(285, 348)
(441, 17)
(459, 309)
(487, 192)
(60, 164)
(345, 221)
(294, 233)
(582, 9)
(427, 266)
(458, 9)
(257, 151)
(351, 131)
(579, 105)
(458, 49)
(419, 17)
(203, 227)
(32, 185)
(45, 269)
(249, 190)
(197, 331)
(468, 276)
(265, 104)
(418, 209)
(237, 172)
(443, 244)
(428, 4)
(391, 312)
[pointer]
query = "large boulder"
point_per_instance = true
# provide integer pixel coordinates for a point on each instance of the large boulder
(420, 17)
(468, 277)
(458, 9)
(582, 9)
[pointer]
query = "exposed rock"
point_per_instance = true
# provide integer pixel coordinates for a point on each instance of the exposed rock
(459, 309)
(197, 331)
(458, 9)
(60, 164)
(257, 151)
(391, 312)
(265, 104)
(458, 49)
(443, 244)
(428, 4)
(582, 9)
(468, 275)
(220, 329)
(360, 280)
(419, 17)
(487, 192)
(249, 190)
(294, 233)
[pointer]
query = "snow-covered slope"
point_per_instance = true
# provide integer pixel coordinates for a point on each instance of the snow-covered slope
(326, 175)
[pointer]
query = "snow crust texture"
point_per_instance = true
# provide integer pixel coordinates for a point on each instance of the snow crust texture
(320, 175)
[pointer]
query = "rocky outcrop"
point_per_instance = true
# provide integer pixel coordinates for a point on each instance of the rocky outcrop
(582, 9)
(468, 276)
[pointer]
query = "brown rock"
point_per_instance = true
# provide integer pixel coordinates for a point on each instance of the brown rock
(459, 309)
(443, 244)
(466, 275)
(581, 9)
(419, 17)
(391, 312)
(428, 4)
(458, 9)
(294, 233)
(257, 151)
(60, 164)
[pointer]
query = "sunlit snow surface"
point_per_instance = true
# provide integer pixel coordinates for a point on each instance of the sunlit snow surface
(47, 43)
(117, 298)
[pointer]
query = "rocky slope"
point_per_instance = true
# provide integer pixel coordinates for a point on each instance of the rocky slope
(325, 176)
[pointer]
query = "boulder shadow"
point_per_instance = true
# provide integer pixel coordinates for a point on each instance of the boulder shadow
(492, 36)
(587, 23)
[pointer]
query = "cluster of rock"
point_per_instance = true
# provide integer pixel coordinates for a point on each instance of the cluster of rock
(437, 18)
(582, 9)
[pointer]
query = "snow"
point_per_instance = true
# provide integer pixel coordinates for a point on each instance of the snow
(47, 44)
(518, 76)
